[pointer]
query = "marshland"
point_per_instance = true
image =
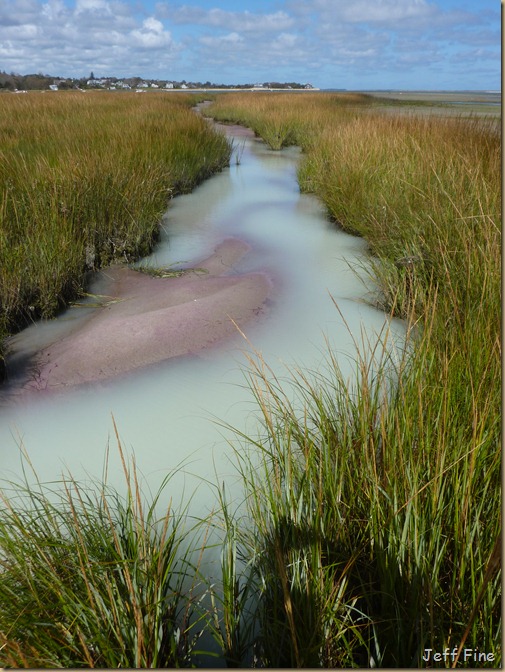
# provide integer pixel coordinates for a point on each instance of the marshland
(367, 526)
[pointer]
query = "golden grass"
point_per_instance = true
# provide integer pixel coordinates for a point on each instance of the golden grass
(84, 180)
(386, 500)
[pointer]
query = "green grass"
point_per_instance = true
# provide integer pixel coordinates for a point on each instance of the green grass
(375, 516)
(84, 181)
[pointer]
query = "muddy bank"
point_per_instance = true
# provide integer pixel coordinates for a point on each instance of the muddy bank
(150, 319)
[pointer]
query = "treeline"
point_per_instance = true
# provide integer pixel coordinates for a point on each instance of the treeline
(13, 82)
(41, 82)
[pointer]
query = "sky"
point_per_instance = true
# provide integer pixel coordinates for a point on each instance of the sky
(344, 44)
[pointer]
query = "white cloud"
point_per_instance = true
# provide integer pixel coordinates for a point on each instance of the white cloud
(285, 41)
(62, 39)
(53, 10)
(233, 38)
(25, 32)
(386, 11)
(222, 44)
(243, 22)
(92, 6)
(152, 35)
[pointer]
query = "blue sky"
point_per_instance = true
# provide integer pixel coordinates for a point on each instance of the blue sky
(351, 44)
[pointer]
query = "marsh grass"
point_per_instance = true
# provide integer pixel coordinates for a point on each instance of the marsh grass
(231, 613)
(168, 272)
(373, 507)
(84, 181)
(90, 577)
(282, 120)
(377, 510)
(375, 516)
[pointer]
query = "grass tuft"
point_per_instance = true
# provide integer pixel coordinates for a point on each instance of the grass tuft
(92, 578)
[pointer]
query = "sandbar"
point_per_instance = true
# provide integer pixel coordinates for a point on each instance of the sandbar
(151, 319)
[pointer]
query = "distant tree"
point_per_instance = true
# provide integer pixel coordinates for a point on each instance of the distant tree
(33, 82)
(91, 75)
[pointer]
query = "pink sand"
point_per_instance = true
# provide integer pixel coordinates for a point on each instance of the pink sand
(154, 319)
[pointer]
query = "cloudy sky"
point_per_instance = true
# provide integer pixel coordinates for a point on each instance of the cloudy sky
(351, 44)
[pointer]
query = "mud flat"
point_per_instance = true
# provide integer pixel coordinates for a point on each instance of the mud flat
(442, 102)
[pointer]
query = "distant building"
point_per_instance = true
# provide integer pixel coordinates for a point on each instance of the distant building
(97, 82)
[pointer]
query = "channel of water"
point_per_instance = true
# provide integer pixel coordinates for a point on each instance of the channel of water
(170, 415)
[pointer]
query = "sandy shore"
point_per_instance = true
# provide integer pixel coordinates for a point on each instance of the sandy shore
(153, 319)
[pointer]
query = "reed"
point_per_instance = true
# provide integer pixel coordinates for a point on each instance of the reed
(84, 181)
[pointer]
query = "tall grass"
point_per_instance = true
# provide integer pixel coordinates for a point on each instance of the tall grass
(84, 180)
(93, 578)
(377, 512)
(282, 120)
(375, 517)
(372, 530)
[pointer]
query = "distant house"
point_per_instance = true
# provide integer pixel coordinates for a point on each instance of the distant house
(56, 84)
(97, 82)
(169, 85)
(154, 86)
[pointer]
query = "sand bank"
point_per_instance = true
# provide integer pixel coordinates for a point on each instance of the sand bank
(152, 319)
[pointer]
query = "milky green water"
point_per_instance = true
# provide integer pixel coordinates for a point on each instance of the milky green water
(170, 416)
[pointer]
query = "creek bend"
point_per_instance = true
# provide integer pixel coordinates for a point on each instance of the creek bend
(170, 412)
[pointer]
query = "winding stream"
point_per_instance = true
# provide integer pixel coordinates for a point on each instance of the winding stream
(169, 414)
